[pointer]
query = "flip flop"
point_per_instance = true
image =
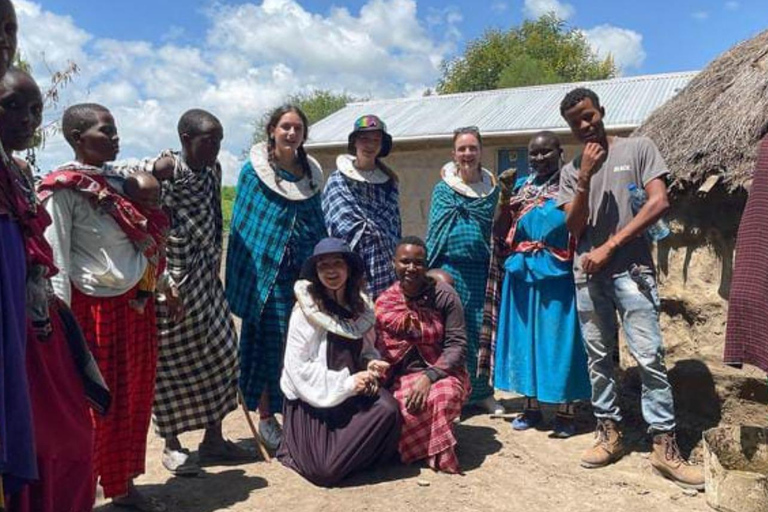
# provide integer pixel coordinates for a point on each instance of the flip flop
(179, 463)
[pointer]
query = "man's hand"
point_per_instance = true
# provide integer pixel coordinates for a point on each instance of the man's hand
(417, 398)
(591, 160)
(597, 258)
(175, 304)
(163, 168)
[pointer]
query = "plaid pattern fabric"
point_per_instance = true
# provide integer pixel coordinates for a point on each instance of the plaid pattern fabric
(428, 434)
(491, 303)
(745, 340)
(367, 217)
(459, 242)
(124, 344)
(262, 224)
(197, 368)
(261, 349)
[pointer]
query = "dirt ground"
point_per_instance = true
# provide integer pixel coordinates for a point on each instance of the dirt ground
(507, 470)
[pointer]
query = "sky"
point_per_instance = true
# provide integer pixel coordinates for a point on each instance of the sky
(150, 60)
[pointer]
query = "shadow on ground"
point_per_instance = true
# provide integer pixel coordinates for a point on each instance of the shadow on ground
(201, 494)
(475, 443)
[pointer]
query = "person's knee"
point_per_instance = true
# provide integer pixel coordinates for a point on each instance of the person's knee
(324, 476)
(390, 406)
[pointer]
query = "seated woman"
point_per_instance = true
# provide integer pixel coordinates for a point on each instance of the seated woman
(420, 333)
(336, 420)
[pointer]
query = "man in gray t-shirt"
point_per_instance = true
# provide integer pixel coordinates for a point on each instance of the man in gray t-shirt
(613, 270)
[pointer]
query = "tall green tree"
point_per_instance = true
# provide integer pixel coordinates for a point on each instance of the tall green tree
(537, 52)
(316, 105)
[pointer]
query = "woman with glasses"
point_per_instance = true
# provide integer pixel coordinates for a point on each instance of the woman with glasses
(459, 242)
(539, 351)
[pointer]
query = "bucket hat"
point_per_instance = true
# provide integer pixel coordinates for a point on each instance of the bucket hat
(370, 123)
(332, 245)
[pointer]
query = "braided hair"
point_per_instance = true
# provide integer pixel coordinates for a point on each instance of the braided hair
(301, 153)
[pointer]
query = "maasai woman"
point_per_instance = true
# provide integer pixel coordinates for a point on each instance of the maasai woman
(361, 202)
(539, 350)
(17, 206)
(102, 245)
(336, 419)
(420, 333)
(57, 357)
(747, 322)
(459, 242)
(276, 221)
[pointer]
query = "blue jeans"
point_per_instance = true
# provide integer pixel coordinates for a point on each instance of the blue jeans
(598, 300)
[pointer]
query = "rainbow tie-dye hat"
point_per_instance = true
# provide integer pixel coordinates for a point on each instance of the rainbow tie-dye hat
(370, 123)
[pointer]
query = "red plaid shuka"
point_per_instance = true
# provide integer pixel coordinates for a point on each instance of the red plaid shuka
(87, 181)
(403, 326)
(124, 343)
(745, 336)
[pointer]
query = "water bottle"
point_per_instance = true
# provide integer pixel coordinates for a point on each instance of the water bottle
(657, 230)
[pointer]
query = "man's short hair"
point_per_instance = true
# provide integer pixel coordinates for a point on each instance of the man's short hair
(192, 121)
(80, 117)
(576, 96)
(412, 240)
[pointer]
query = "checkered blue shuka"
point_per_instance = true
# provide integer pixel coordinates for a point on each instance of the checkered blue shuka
(367, 217)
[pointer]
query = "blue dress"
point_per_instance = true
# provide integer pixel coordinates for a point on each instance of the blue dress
(539, 348)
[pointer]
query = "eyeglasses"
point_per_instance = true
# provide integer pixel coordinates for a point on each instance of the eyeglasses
(466, 129)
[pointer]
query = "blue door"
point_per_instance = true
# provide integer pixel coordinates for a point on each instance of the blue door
(513, 158)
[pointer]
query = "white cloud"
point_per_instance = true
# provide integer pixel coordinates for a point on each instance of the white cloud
(732, 6)
(700, 15)
(236, 71)
(537, 8)
(626, 46)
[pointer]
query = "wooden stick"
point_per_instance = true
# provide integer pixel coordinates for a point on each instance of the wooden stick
(259, 441)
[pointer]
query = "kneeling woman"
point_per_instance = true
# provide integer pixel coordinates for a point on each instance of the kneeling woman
(336, 419)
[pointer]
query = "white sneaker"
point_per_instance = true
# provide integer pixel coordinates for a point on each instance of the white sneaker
(491, 406)
(271, 432)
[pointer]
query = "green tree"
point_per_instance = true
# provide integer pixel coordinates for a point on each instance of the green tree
(537, 52)
(316, 105)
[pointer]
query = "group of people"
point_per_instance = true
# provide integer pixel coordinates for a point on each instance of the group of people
(367, 342)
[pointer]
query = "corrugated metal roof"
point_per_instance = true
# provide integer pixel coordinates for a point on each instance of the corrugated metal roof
(628, 102)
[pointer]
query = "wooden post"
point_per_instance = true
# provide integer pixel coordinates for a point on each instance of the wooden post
(259, 441)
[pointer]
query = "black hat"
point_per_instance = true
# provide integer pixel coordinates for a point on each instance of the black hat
(370, 123)
(332, 245)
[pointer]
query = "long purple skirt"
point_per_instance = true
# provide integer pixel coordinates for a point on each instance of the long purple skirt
(326, 445)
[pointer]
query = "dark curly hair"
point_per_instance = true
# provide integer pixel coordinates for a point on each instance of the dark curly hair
(576, 96)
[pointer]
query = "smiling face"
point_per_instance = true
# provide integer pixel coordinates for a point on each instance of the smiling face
(202, 148)
(289, 133)
(411, 268)
(544, 154)
(332, 271)
(586, 121)
(368, 146)
(98, 143)
(21, 110)
(466, 152)
(8, 34)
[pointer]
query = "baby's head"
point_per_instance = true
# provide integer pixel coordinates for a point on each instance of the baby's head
(441, 276)
(143, 188)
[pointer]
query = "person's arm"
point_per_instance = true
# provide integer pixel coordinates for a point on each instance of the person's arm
(311, 379)
(454, 356)
(577, 210)
(59, 235)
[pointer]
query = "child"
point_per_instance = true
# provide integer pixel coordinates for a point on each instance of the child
(144, 190)
(195, 392)
(101, 245)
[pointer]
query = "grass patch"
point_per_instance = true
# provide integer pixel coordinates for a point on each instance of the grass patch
(227, 201)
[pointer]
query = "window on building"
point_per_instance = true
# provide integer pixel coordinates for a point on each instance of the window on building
(513, 158)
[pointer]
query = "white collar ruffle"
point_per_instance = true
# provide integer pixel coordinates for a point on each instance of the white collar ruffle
(352, 329)
(293, 191)
(451, 177)
(346, 165)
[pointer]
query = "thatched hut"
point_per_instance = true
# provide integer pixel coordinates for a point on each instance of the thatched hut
(709, 135)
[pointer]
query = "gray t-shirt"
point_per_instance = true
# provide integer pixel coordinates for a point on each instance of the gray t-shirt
(630, 160)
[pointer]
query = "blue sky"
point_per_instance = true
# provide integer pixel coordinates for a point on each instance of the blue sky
(150, 60)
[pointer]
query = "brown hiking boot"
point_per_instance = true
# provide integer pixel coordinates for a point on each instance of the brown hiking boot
(608, 446)
(667, 461)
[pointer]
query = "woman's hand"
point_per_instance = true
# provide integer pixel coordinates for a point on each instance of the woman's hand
(378, 368)
(363, 381)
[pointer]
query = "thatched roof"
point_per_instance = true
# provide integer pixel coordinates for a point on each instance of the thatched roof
(713, 126)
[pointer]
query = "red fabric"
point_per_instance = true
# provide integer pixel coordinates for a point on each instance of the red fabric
(63, 429)
(560, 254)
(745, 338)
(402, 325)
(429, 433)
(124, 343)
(105, 198)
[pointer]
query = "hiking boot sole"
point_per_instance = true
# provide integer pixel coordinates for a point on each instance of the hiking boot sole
(592, 465)
(694, 487)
